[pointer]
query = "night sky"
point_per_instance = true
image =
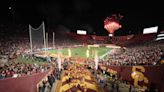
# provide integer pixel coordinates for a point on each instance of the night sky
(84, 14)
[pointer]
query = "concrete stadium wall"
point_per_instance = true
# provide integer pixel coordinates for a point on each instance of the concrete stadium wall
(21, 84)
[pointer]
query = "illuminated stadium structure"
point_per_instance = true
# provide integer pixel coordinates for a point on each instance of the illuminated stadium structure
(80, 62)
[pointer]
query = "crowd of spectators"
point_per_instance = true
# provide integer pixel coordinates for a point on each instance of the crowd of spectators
(47, 84)
(51, 79)
(18, 69)
(145, 54)
(11, 47)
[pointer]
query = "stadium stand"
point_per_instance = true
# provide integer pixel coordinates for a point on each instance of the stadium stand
(133, 39)
(115, 71)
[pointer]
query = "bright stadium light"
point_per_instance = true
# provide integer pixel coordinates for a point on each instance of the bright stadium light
(110, 35)
(81, 32)
(150, 30)
(10, 8)
(161, 38)
(160, 35)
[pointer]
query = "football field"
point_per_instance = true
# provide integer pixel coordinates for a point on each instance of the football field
(82, 51)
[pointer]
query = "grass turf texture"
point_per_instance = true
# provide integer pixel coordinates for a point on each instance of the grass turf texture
(81, 51)
(20, 59)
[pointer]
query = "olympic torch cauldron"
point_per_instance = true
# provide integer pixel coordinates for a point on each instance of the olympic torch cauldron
(111, 23)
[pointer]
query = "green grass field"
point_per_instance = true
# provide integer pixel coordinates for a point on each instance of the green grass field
(81, 51)
(31, 61)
